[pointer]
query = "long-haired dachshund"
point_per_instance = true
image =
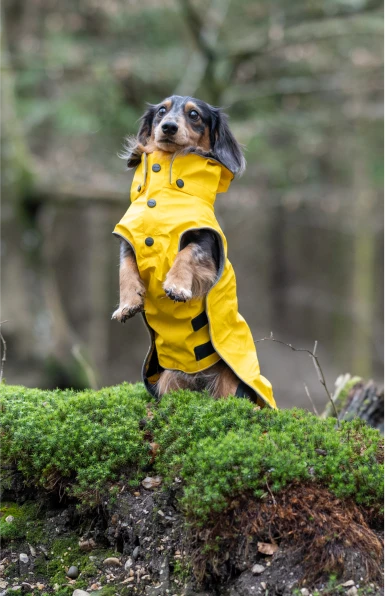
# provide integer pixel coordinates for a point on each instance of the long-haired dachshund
(182, 126)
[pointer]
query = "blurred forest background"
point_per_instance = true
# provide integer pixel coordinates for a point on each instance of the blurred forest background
(302, 82)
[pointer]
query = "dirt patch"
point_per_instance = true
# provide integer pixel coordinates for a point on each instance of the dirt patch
(139, 543)
(321, 533)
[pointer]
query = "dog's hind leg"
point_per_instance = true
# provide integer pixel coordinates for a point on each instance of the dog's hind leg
(225, 382)
(172, 380)
(132, 289)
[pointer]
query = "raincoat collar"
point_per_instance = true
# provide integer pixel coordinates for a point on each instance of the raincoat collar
(186, 173)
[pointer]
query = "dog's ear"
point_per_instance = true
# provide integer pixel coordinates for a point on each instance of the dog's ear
(133, 146)
(146, 124)
(224, 146)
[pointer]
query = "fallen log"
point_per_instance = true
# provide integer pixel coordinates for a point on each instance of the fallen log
(354, 398)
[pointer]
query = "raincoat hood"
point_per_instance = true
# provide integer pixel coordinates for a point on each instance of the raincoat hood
(169, 197)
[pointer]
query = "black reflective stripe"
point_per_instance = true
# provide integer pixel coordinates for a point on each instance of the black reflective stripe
(199, 321)
(203, 351)
(242, 390)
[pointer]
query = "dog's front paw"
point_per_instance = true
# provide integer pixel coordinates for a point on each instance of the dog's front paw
(126, 311)
(178, 294)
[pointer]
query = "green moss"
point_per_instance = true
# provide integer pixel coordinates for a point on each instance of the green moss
(220, 448)
(181, 569)
(18, 528)
(81, 438)
(223, 449)
(11, 570)
(65, 552)
(35, 533)
(89, 570)
(40, 566)
(110, 591)
(65, 591)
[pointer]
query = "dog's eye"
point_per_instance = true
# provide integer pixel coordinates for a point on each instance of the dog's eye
(194, 115)
(162, 111)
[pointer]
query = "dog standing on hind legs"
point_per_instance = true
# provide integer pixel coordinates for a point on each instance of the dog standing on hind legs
(173, 257)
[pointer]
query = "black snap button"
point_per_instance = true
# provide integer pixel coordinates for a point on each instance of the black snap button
(151, 203)
(139, 188)
(149, 241)
(156, 167)
(180, 183)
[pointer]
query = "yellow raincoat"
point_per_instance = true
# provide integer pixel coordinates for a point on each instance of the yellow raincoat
(168, 198)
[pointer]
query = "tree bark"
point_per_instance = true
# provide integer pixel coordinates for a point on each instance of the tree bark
(16, 183)
(358, 399)
(16, 176)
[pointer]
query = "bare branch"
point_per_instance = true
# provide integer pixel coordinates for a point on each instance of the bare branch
(4, 352)
(87, 368)
(310, 399)
(306, 32)
(321, 376)
(196, 25)
(205, 32)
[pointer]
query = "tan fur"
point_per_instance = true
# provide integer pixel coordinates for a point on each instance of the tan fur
(204, 141)
(219, 380)
(190, 274)
(132, 290)
(190, 105)
(172, 380)
(226, 383)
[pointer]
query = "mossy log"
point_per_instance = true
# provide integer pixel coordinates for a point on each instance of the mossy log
(188, 490)
(356, 399)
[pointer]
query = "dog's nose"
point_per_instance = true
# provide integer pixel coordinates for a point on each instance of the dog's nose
(170, 128)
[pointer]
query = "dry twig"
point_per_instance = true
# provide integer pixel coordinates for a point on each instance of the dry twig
(321, 376)
(310, 399)
(4, 352)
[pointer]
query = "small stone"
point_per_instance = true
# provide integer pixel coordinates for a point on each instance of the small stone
(352, 592)
(9, 519)
(112, 561)
(263, 585)
(32, 550)
(135, 553)
(23, 558)
(3, 583)
(87, 545)
(73, 572)
(151, 482)
(129, 563)
(305, 592)
(348, 584)
(56, 587)
(78, 592)
(40, 586)
(257, 569)
(16, 588)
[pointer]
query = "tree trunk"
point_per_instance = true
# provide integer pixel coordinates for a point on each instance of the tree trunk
(16, 183)
(16, 177)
